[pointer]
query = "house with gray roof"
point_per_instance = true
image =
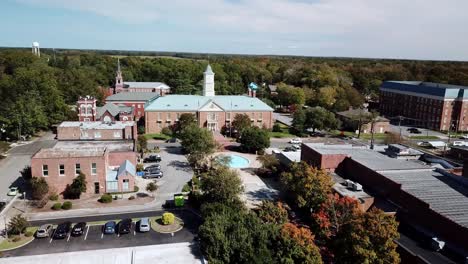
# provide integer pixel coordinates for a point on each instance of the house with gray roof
(212, 111)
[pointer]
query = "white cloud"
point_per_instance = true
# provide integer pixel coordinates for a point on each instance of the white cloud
(383, 28)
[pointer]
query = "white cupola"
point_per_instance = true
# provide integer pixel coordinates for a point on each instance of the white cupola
(208, 82)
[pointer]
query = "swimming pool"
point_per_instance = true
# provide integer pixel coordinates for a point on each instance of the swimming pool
(237, 161)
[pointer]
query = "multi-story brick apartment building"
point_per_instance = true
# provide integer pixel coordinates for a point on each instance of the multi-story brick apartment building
(434, 202)
(108, 167)
(432, 105)
(120, 86)
(115, 130)
(213, 112)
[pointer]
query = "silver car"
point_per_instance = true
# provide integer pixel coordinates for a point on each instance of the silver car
(144, 225)
(44, 231)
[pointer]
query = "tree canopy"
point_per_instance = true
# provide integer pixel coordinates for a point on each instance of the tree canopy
(254, 139)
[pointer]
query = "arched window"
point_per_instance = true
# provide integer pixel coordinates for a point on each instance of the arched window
(107, 119)
(83, 109)
(124, 118)
(89, 109)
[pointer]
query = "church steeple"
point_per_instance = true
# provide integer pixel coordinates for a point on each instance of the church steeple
(118, 76)
(208, 82)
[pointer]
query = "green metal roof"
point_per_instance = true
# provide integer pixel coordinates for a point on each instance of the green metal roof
(195, 102)
(132, 96)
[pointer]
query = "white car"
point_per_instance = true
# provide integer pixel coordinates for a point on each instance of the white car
(13, 191)
(464, 137)
(295, 141)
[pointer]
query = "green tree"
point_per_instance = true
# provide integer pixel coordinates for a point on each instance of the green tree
(269, 162)
(319, 118)
(307, 186)
(198, 143)
(39, 188)
(221, 184)
(185, 120)
(254, 139)
(151, 187)
(299, 121)
(241, 122)
(273, 212)
(17, 225)
(78, 186)
(142, 144)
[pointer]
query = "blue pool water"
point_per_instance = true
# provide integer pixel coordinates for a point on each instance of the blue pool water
(238, 161)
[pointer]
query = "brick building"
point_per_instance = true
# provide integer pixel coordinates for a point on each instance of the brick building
(135, 100)
(116, 130)
(212, 112)
(108, 167)
(431, 105)
(432, 202)
(120, 86)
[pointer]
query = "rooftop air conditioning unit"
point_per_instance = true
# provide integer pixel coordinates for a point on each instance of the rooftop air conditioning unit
(437, 244)
(349, 183)
(357, 187)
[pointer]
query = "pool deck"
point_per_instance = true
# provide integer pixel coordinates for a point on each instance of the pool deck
(255, 190)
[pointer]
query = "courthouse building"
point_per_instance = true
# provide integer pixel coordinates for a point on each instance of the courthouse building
(212, 111)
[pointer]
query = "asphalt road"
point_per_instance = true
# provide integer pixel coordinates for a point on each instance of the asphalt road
(95, 239)
(18, 158)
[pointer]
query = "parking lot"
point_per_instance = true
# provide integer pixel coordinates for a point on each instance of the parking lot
(93, 237)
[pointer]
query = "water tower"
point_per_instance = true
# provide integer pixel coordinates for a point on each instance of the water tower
(35, 49)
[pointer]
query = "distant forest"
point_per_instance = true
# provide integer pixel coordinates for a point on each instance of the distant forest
(36, 92)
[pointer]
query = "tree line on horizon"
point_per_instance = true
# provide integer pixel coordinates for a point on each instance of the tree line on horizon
(38, 92)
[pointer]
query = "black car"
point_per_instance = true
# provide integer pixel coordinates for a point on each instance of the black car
(153, 174)
(125, 226)
(414, 130)
(152, 158)
(78, 229)
(62, 230)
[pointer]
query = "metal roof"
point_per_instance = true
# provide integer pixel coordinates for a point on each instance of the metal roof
(113, 109)
(126, 167)
(132, 96)
(427, 88)
(146, 85)
(195, 102)
(443, 195)
(209, 70)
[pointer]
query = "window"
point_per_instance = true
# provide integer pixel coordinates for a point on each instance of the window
(138, 106)
(260, 116)
(228, 116)
(159, 125)
(77, 168)
(93, 168)
(159, 116)
(168, 116)
(61, 170)
(178, 116)
(117, 134)
(45, 170)
(97, 134)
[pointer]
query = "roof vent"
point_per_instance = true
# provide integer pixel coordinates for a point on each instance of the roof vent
(251, 105)
(185, 104)
(168, 105)
(235, 105)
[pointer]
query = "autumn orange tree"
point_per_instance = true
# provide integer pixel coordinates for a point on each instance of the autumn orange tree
(306, 186)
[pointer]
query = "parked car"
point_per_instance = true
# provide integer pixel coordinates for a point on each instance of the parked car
(109, 228)
(125, 226)
(414, 130)
(317, 134)
(144, 224)
(153, 158)
(78, 229)
(44, 231)
(13, 191)
(153, 174)
(295, 141)
(172, 140)
(296, 147)
(62, 230)
(153, 167)
(460, 143)
(464, 137)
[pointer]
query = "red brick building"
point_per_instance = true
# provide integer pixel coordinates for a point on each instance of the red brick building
(116, 130)
(212, 112)
(108, 167)
(135, 100)
(431, 105)
(432, 202)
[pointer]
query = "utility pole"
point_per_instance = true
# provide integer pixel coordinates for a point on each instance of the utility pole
(372, 134)
(399, 125)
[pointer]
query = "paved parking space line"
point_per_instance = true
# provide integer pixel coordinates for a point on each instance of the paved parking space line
(134, 232)
(102, 235)
(68, 238)
(86, 235)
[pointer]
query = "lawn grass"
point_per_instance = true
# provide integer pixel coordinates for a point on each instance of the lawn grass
(284, 132)
(376, 136)
(424, 137)
(156, 136)
(9, 244)
(4, 147)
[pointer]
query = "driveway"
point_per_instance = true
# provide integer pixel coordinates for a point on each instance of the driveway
(93, 238)
(18, 158)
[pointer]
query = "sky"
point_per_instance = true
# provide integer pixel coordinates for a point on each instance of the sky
(402, 29)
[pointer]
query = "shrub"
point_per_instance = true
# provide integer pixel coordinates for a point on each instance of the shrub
(57, 206)
(168, 218)
(16, 238)
(78, 186)
(186, 188)
(106, 198)
(131, 197)
(277, 128)
(136, 188)
(151, 187)
(17, 225)
(53, 197)
(39, 188)
(29, 233)
(166, 131)
(140, 167)
(67, 205)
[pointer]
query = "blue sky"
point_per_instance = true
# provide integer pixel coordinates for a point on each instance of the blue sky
(416, 29)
